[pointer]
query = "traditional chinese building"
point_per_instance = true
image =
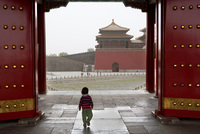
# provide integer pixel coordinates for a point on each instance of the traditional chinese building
(116, 52)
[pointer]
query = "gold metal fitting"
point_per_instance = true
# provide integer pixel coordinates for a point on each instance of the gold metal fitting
(175, 27)
(198, 65)
(182, 46)
(22, 86)
(198, 46)
(198, 26)
(190, 7)
(21, 47)
(6, 66)
(7, 86)
(182, 85)
(174, 103)
(174, 84)
(22, 66)
(5, 6)
(13, 46)
(182, 65)
(197, 84)
(181, 103)
(175, 7)
(175, 46)
(182, 7)
(190, 46)
(13, 7)
(6, 47)
(182, 27)
(175, 65)
(189, 104)
(197, 104)
(190, 26)
(7, 106)
(21, 28)
(14, 105)
(190, 65)
(5, 27)
(22, 104)
(13, 27)
(21, 8)
(14, 86)
(189, 85)
(198, 6)
(14, 66)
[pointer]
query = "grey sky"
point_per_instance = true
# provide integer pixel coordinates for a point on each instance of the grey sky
(73, 29)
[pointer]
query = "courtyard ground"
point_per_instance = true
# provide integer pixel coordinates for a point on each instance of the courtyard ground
(119, 111)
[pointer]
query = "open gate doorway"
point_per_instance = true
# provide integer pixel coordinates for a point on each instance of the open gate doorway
(37, 57)
(115, 67)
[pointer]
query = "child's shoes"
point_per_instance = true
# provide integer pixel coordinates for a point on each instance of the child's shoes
(84, 125)
(88, 122)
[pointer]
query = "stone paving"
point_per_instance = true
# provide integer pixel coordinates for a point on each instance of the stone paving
(115, 112)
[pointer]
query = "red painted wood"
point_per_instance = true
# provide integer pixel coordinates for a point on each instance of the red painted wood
(182, 113)
(15, 56)
(155, 78)
(159, 55)
(42, 49)
(17, 115)
(150, 48)
(178, 55)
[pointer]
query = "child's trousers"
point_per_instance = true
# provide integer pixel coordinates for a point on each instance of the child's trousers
(86, 113)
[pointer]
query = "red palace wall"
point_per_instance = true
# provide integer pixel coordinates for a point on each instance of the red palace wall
(127, 60)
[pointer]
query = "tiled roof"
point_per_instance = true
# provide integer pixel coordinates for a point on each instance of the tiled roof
(143, 30)
(137, 41)
(113, 31)
(143, 37)
(113, 27)
(114, 36)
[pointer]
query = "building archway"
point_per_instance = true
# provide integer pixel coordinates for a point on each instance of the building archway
(115, 67)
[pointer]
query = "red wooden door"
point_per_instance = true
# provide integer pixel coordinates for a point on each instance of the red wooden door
(181, 65)
(18, 90)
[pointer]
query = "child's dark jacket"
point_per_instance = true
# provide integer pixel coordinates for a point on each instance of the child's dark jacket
(86, 102)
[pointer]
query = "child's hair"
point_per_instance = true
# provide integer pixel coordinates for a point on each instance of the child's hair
(84, 90)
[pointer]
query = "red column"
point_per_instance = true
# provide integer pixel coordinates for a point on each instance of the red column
(99, 44)
(150, 48)
(157, 10)
(42, 50)
(159, 54)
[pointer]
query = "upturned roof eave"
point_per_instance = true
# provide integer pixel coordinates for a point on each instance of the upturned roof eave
(114, 27)
(102, 31)
(114, 37)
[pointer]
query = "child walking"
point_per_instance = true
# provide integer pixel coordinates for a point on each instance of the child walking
(87, 105)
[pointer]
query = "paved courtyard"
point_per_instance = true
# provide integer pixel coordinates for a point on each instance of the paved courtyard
(115, 112)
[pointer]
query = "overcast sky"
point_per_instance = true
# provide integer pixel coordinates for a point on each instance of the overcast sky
(73, 29)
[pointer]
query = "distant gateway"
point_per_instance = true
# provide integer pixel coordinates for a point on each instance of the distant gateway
(115, 51)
